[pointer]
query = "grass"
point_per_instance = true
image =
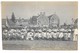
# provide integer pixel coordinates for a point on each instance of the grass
(39, 45)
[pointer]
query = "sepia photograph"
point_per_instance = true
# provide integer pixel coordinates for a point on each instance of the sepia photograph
(39, 25)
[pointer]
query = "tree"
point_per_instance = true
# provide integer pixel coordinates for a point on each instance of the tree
(13, 17)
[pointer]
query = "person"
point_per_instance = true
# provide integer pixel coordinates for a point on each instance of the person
(39, 34)
(23, 33)
(29, 36)
(5, 33)
(14, 34)
(61, 35)
(65, 33)
(49, 35)
(58, 32)
(18, 33)
(69, 34)
(75, 34)
(36, 35)
(55, 35)
(43, 35)
(11, 34)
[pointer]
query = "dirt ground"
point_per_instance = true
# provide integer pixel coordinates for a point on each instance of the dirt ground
(39, 45)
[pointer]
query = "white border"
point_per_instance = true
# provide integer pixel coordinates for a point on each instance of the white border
(35, 51)
(39, 0)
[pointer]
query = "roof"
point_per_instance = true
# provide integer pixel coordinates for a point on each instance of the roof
(54, 16)
(34, 16)
(3, 21)
(10, 23)
(50, 16)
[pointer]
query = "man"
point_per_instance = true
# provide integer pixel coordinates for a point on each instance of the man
(35, 35)
(58, 32)
(65, 34)
(18, 33)
(5, 34)
(75, 35)
(43, 35)
(12, 34)
(61, 35)
(69, 34)
(29, 36)
(39, 34)
(49, 35)
(55, 35)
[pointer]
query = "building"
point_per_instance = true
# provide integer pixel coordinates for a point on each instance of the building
(54, 20)
(42, 20)
(10, 23)
(17, 24)
(22, 22)
(35, 21)
(48, 21)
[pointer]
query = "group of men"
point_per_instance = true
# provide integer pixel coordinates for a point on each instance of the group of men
(39, 34)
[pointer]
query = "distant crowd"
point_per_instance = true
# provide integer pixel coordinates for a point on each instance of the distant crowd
(39, 34)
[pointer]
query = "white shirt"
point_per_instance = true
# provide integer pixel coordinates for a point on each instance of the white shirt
(54, 35)
(44, 34)
(61, 35)
(49, 35)
(39, 35)
(69, 35)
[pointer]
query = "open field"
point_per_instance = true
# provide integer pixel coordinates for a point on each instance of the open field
(39, 45)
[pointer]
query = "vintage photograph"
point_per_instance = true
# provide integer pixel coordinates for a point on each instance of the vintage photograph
(39, 25)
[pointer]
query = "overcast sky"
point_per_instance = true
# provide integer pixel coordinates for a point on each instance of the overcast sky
(65, 10)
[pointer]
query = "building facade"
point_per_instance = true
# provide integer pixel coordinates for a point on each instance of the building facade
(42, 20)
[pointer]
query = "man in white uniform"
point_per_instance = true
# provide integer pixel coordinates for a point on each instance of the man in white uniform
(29, 36)
(11, 34)
(5, 34)
(61, 35)
(39, 34)
(75, 35)
(69, 34)
(36, 35)
(55, 35)
(49, 35)
(44, 35)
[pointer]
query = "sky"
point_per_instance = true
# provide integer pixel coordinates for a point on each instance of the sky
(64, 10)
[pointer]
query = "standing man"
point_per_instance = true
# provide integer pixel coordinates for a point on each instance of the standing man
(75, 35)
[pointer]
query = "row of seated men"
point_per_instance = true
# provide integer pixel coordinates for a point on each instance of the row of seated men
(24, 34)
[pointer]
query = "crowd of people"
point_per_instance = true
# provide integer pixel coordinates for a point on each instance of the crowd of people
(38, 34)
